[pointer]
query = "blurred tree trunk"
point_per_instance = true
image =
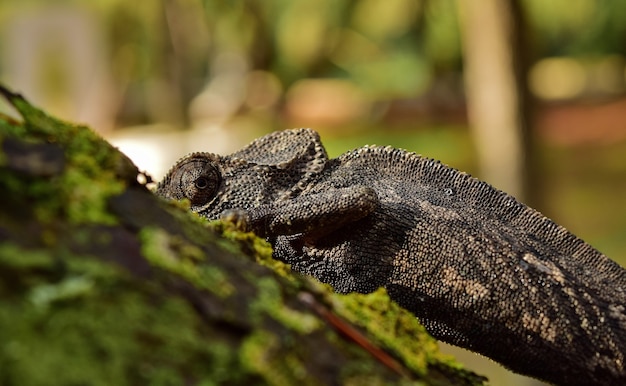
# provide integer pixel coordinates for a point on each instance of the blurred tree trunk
(495, 72)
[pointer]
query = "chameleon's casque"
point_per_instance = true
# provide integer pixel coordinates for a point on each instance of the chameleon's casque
(480, 269)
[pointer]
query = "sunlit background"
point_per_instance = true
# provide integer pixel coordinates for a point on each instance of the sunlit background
(163, 78)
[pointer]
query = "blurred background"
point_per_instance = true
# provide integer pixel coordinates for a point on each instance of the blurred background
(528, 95)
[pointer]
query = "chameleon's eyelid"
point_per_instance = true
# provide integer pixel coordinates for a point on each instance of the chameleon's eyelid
(186, 159)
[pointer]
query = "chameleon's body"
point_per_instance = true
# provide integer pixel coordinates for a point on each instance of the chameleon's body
(480, 270)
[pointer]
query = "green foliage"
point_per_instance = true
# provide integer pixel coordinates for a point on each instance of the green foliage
(557, 27)
(162, 55)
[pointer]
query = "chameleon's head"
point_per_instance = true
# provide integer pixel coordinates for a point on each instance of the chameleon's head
(196, 177)
(277, 166)
(214, 183)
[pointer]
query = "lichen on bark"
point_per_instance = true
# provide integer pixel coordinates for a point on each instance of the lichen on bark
(103, 283)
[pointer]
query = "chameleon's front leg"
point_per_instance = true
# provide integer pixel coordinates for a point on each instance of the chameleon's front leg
(318, 213)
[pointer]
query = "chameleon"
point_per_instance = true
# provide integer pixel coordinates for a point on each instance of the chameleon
(480, 269)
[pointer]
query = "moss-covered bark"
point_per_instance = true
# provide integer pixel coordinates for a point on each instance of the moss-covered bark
(102, 283)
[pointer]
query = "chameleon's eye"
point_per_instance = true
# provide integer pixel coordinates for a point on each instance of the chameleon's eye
(198, 181)
(202, 183)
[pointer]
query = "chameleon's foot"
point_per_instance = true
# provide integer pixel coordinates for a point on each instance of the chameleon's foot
(238, 217)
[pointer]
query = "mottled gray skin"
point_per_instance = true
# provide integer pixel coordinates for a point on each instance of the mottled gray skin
(479, 269)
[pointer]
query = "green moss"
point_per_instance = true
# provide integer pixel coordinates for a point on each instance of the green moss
(90, 320)
(393, 327)
(10, 127)
(85, 202)
(107, 340)
(42, 296)
(176, 255)
(270, 301)
(251, 244)
(90, 174)
(255, 354)
(15, 259)
(264, 353)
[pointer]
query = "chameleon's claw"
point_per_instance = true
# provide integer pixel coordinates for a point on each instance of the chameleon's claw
(238, 217)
